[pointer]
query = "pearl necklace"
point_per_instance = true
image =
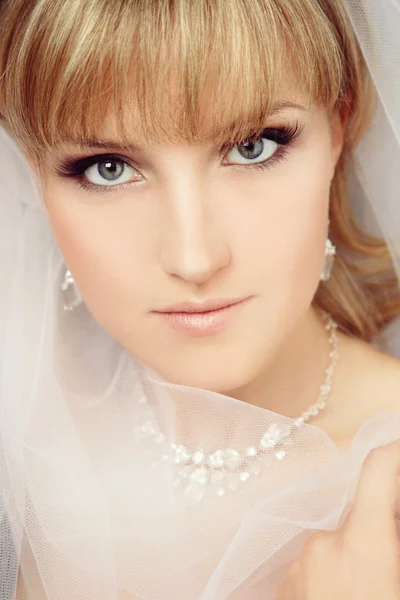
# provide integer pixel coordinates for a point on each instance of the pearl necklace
(225, 470)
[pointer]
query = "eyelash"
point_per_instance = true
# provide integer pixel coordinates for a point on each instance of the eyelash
(284, 136)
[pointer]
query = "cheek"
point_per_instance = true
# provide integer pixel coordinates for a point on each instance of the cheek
(106, 245)
(275, 225)
(285, 230)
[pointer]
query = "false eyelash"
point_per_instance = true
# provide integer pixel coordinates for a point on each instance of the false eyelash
(76, 167)
(283, 135)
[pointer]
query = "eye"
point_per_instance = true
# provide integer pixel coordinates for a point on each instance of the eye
(99, 172)
(271, 145)
(252, 152)
(110, 172)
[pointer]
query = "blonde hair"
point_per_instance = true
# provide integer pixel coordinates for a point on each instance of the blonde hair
(221, 65)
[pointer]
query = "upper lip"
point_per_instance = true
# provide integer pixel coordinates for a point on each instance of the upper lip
(201, 307)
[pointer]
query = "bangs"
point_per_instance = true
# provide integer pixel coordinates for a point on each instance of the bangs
(182, 69)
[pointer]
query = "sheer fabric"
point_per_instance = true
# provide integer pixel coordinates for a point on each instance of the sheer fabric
(92, 505)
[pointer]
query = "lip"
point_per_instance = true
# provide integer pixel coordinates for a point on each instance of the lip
(202, 307)
(201, 318)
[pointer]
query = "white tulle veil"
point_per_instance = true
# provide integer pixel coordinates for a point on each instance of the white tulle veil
(102, 515)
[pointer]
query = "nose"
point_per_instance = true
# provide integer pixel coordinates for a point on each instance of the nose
(194, 248)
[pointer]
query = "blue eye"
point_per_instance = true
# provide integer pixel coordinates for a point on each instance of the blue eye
(101, 171)
(109, 173)
(272, 144)
(252, 152)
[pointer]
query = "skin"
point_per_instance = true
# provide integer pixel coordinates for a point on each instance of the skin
(360, 560)
(194, 228)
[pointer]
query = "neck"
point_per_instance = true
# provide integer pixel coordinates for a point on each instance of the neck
(290, 384)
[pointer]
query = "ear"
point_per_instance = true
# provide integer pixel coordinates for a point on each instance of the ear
(338, 126)
(33, 162)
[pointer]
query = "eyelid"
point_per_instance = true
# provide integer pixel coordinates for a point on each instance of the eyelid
(283, 135)
(72, 166)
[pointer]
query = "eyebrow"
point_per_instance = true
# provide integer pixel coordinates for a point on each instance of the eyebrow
(103, 143)
(115, 145)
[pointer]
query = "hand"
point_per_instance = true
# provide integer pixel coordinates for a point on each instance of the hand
(361, 559)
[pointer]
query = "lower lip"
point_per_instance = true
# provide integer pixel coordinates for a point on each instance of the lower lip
(204, 323)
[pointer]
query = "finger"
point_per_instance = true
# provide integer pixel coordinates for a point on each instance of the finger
(288, 591)
(291, 589)
(376, 497)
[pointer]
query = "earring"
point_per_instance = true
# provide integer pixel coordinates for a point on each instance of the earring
(71, 294)
(330, 253)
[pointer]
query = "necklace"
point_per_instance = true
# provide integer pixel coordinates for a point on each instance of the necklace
(226, 470)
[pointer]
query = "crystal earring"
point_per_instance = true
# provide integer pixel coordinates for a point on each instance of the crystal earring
(330, 252)
(71, 294)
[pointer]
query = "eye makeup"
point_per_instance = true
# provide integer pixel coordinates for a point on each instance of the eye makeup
(75, 167)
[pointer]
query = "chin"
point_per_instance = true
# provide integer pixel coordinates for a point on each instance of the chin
(219, 363)
(220, 374)
(218, 382)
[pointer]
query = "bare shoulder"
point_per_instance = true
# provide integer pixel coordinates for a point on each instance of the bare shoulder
(372, 373)
(367, 382)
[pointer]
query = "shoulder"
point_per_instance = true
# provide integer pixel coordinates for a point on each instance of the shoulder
(367, 382)
(372, 375)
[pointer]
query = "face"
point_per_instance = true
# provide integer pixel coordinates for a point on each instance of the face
(199, 260)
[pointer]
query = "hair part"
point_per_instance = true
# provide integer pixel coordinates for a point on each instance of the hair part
(199, 70)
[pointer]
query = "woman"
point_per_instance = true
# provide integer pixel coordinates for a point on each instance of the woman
(207, 292)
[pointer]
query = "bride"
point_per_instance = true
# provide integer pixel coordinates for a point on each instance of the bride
(199, 274)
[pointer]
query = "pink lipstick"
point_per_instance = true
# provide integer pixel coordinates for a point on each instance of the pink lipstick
(201, 318)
